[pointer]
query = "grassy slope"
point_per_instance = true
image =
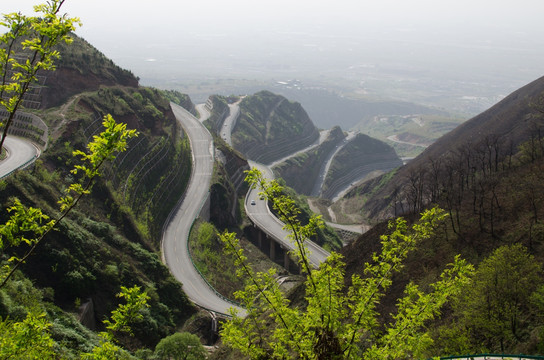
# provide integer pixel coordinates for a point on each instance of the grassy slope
(112, 238)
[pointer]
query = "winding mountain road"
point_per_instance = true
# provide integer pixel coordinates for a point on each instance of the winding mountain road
(316, 191)
(260, 213)
(230, 122)
(262, 217)
(176, 235)
(19, 153)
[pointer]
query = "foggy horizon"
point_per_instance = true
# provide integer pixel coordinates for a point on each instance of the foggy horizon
(393, 49)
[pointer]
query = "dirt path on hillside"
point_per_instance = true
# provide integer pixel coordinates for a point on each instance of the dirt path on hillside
(55, 132)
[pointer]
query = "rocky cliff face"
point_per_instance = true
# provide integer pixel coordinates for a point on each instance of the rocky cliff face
(228, 185)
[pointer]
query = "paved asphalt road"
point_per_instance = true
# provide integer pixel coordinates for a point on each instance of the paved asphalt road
(175, 237)
(203, 112)
(259, 213)
(316, 191)
(230, 122)
(20, 151)
(261, 216)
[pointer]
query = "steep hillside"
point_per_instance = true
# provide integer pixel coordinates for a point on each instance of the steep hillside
(499, 208)
(301, 172)
(81, 68)
(220, 111)
(112, 238)
(271, 127)
(495, 133)
(358, 158)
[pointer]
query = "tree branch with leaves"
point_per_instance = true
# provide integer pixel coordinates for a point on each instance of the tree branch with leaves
(336, 323)
(26, 48)
(30, 225)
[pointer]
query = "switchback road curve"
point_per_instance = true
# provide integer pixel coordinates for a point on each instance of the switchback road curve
(20, 152)
(176, 234)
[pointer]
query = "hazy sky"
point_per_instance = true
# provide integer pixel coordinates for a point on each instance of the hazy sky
(218, 16)
(233, 37)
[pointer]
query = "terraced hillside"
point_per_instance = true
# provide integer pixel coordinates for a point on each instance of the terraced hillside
(271, 127)
(358, 158)
(301, 171)
(112, 237)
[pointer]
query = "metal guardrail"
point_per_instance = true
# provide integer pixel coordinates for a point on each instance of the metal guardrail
(169, 220)
(22, 166)
(204, 278)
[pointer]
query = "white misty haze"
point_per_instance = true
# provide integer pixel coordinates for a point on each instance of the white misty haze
(494, 42)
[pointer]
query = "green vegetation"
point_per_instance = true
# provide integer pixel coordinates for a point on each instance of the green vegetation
(359, 158)
(270, 127)
(30, 226)
(36, 36)
(301, 171)
(180, 346)
(121, 321)
(335, 323)
(83, 260)
(207, 256)
(503, 300)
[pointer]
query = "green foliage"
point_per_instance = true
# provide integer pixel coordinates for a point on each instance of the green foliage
(180, 346)
(205, 248)
(129, 312)
(337, 324)
(26, 339)
(36, 38)
(495, 306)
(24, 221)
(121, 320)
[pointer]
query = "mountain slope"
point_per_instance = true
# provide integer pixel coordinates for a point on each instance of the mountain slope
(271, 127)
(301, 171)
(112, 238)
(500, 130)
(81, 68)
(361, 156)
